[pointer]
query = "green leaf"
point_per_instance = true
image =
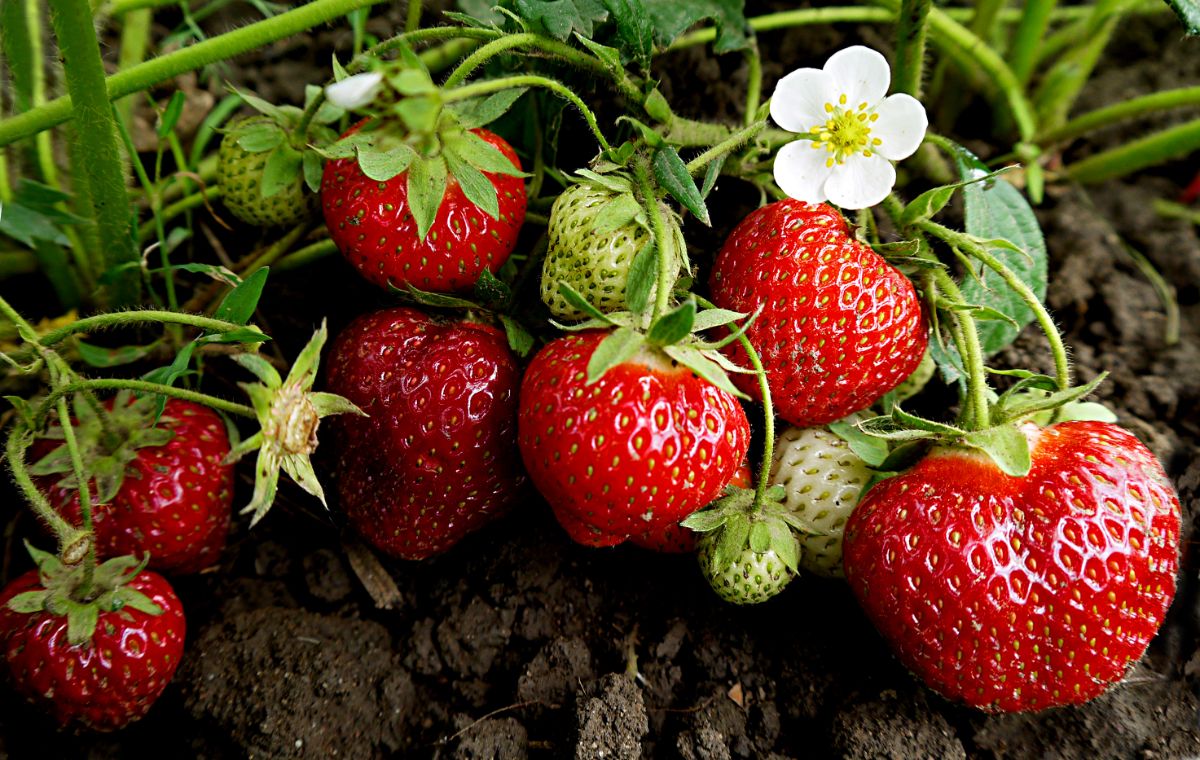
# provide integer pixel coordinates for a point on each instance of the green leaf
(439, 300)
(382, 166)
(609, 56)
(1006, 445)
(171, 114)
(98, 356)
(673, 176)
(327, 404)
(927, 204)
(28, 602)
(313, 168)
(27, 225)
(616, 213)
(81, 621)
(519, 339)
(869, 448)
(617, 348)
(996, 209)
(491, 291)
(239, 305)
(710, 318)
(760, 537)
(657, 107)
(580, 303)
(260, 368)
(783, 542)
(262, 106)
(483, 155)
(673, 326)
(281, 170)
(478, 188)
(710, 176)
(674, 17)
(704, 367)
(1188, 12)
(643, 275)
(559, 18)
(635, 32)
(426, 186)
(134, 599)
(483, 111)
(731, 541)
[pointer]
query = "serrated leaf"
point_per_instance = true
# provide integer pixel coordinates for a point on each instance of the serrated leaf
(1188, 12)
(559, 18)
(519, 339)
(617, 348)
(426, 187)
(704, 367)
(643, 275)
(478, 188)
(382, 166)
(673, 326)
(671, 19)
(673, 176)
(617, 212)
(483, 155)
(996, 209)
(870, 449)
(239, 305)
(634, 31)
(483, 111)
(1006, 445)
(281, 170)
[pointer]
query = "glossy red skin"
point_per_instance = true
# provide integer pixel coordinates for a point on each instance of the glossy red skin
(673, 538)
(667, 464)
(437, 458)
(371, 224)
(175, 502)
(107, 683)
(839, 327)
(1019, 594)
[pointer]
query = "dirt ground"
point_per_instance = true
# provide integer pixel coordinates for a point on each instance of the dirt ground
(519, 643)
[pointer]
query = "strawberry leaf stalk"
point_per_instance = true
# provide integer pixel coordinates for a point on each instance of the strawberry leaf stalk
(289, 413)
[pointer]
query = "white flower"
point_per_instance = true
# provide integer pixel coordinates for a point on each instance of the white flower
(857, 131)
(355, 91)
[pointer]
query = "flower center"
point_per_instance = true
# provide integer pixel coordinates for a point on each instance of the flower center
(847, 131)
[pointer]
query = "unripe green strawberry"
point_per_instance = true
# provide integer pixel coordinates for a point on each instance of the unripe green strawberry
(823, 479)
(590, 254)
(751, 577)
(240, 174)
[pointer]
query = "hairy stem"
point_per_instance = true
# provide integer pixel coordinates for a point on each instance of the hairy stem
(754, 83)
(143, 386)
(19, 439)
(663, 239)
(529, 80)
(729, 144)
(137, 317)
(85, 497)
(911, 29)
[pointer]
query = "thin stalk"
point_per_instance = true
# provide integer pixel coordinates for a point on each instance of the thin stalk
(136, 317)
(306, 255)
(173, 210)
(412, 21)
(208, 127)
(728, 145)
(967, 244)
(664, 241)
(556, 49)
(97, 158)
(190, 58)
(1138, 154)
(135, 40)
(789, 19)
(985, 19)
(15, 446)
(1128, 109)
(911, 30)
(143, 386)
(1062, 84)
(754, 83)
(1027, 39)
(85, 497)
(529, 80)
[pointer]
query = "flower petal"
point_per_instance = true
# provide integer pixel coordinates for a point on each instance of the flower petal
(861, 182)
(355, 91)
(861, 74)
(801, 171)
(798, 103)
(900, 127)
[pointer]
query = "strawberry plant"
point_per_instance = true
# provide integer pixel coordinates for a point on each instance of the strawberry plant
(793, 342)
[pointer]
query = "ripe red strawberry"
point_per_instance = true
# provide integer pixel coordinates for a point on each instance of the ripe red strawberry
(839, 327)
(437, 456)
(638, 450)
(374, 226)
(1018, 594)
(162, 490)
(108, 681)
(673, 538)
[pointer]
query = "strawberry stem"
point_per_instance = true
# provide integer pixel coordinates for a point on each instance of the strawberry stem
(729, 144)
(137, 316)
(469, 91)
(662, 239)
(85, 498)
(19, 439)
(142, 386)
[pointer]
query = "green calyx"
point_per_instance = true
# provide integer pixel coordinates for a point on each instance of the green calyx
(107, 444)
(289, 413)
(67, 592)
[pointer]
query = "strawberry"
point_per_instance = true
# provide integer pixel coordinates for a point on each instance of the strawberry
(635, 451)
(443, 243)
(1020, 593)
(823, 479)
(241, 173)
(104, 672)
(676, 539)
(839, 326)
(164, 490)
(749, 578)
(436, 458)
(595, 233)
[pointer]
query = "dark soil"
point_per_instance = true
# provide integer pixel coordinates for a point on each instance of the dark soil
(519, 643)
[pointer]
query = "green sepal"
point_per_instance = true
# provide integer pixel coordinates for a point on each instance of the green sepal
(519, 339)
(710, 318)
(782, 541)
(871, 449)
(1090, 411)
(1018, 406)
(253, 443)
(673, 176)
(81, 622)
(312, 167)
(656, 107)
(479, 112)
(705, 521)
(904, 456)
(710, 176)
(29, 602)
(258, 136)
(328, 404)
(618, 212)
(299, 468)
(23, 409)
(930, 202)
(648, 133)
(614, 183)
(577, 301)
(616, 348)
(439, 300)
(695, 360)
(427, 178)
(134, 599)
(481, 154)
(281, 170)
(642, 277)
(475, 186)
(266, 483)
(382, 166)
(731, 541)
(673, 326)
(760, 537)
(48, 565)
(1006, 445)
(260, 368)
